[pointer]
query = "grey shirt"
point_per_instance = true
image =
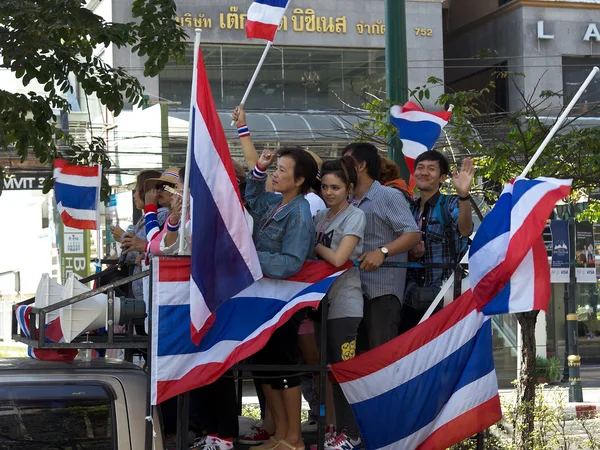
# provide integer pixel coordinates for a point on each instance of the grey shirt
(388, 217)
(345, 295)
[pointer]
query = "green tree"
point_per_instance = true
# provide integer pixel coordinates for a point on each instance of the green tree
(51, 40)
(502, 145)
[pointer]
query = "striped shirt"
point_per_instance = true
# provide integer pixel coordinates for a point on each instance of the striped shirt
(388, 218)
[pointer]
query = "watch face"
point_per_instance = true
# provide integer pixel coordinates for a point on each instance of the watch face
(384, 250)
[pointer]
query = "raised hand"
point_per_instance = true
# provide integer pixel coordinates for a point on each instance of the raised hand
(266, 159)
(239, 116)
(462, 180)
(151, 197)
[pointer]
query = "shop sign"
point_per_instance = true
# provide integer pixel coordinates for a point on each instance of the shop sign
(591, 32)
(24, 182)
(559, 268)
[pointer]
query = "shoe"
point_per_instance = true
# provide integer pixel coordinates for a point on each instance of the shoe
(214, 443)
(343, 442)
(309, 426)
(269, 445)
(256, 436)
(330, 436)
(284, 445)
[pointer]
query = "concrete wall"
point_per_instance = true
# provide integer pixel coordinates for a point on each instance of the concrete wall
(463, 12)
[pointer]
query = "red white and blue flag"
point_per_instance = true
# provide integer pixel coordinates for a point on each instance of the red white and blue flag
(436, 384)
(224, 259)
(419, 130)
(264, 17)
(508, 264)
(240, 326)
(77, 192)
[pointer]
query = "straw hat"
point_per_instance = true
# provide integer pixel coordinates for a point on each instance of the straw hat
(317, 159)
(171, 175)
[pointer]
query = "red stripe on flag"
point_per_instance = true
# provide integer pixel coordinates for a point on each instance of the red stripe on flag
(208, 373)
(77, 223)
(73, 169)
(314, 271)
(411, 106)
(542, 288)
(174, 269)
(465, 425)
(260, 30)
(207, 109)
(398, 348)
(519, 245)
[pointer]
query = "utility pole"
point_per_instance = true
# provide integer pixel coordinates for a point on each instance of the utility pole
(573, 359)
(396, 71)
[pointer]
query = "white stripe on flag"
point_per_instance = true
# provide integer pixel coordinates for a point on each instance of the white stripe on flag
(420, 116)
(270, 15)
(463, 400)
(488, 257)
(412, 149)
(530, 199)
(522, 286)
(416, 363)
(75, 180)
(174, 293)
(79, 214)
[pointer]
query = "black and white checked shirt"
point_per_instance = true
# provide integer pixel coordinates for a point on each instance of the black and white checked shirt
(388, 218)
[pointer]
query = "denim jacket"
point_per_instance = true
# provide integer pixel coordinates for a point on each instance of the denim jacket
(284, 241)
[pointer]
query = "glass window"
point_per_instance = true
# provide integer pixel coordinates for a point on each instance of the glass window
(36, 417)
(292, 78)
(575, 71)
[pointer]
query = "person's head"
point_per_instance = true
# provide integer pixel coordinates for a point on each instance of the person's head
(139, 193)
(317, 184)
(367, 155)
(296, 171)
(168, 178)
(181, 180)
(389, 170)
(431, 170)
(338, 180)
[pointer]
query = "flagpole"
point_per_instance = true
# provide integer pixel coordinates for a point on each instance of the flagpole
(188, 156)
(560, 120)
(255, 75)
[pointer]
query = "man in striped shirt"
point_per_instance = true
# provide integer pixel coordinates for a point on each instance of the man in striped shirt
(390, 233)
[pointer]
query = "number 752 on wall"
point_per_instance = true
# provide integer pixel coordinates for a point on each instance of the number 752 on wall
(425, 32)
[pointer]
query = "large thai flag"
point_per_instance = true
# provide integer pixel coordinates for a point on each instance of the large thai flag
(435, 384)
(77, 192)
(240, 327)
(419, 130)
(224, 259)
(508, 264)
(264, 17)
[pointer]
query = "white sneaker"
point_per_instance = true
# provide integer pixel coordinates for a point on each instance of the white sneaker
(215, 443)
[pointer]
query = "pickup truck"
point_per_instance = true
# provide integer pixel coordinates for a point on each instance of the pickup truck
(77, 405)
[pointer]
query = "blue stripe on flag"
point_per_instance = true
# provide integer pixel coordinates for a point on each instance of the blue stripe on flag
(76, 197)
(521, 187)
(428, 392)
(423, 132)
(215, 254)
(275, 3)
(499, 304)
(497, 222)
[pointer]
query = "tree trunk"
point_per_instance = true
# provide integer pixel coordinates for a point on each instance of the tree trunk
(526, 387)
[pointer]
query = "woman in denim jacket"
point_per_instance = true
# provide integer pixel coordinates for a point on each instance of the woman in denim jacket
(284, 240)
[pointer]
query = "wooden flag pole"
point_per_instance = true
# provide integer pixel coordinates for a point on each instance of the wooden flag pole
(188, 156)
(255, 75)
(560, 121)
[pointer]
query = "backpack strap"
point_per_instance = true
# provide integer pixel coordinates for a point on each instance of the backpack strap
(441, 212)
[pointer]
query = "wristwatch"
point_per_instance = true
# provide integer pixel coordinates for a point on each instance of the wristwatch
(385, 251)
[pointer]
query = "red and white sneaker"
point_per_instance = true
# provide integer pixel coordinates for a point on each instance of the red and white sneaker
(216, 443)
(256, 436)
(330, 436)
(343, 442)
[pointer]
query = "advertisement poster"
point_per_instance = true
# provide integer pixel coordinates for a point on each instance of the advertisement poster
(559, 269)
(74, 252)
(585, 253)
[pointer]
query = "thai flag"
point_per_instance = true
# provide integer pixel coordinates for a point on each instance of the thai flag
(508, 264)
(436, 384)
(240, 327)
(77, 191)
(53, 334)
(264, 17)
(419, 130)
(224, 259)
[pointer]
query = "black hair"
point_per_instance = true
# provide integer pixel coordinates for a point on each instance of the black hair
(344, 168)
(367, 153)
(182, 175)
(305, 167)
(434, 155)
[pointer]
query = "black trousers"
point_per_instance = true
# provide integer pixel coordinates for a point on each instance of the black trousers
(215, 407)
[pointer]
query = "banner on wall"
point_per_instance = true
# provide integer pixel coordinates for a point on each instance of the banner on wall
(559, 269)
(585, 253)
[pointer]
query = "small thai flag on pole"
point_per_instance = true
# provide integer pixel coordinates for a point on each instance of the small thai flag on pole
(77, 192)
(264, 17)
(419, 130)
